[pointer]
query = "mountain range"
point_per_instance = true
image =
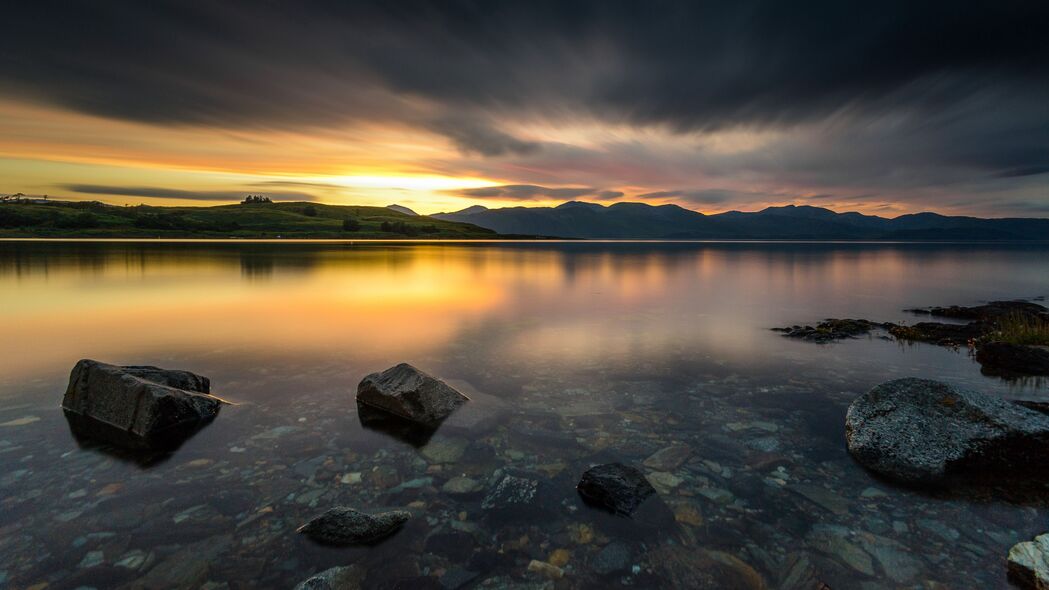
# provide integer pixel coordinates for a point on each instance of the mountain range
(576, 219)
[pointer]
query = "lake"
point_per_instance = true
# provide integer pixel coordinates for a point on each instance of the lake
(578, 352)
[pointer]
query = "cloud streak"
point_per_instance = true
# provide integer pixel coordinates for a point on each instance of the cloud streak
(168, 193)
(529, 192)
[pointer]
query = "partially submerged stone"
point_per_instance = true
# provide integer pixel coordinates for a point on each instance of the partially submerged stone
(346, 526)
(137, 407)
(615, 487)
(983, 321)
(408, 393)
(923, 431)
(987, 311)
(950, 335)
(1029, 563)
(1013, 359)
(832, 329)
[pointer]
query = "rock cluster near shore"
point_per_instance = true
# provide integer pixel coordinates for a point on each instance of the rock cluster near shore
(137, 407)
(985, 312)
(980, 332)
(830, 330)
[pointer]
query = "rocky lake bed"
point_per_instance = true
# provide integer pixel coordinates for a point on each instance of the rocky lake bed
(757, 491)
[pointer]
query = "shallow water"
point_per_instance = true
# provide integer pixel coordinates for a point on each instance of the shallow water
(577, 353)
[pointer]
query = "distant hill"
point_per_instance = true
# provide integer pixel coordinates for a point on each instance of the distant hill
(402, 209)
(640, 220)
(246, 220)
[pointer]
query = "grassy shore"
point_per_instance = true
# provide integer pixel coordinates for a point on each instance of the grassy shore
(1021, 329)
(66, 219)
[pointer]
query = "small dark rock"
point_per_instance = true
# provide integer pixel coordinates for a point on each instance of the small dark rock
(615, 487)
(409, 393)
(346, 526)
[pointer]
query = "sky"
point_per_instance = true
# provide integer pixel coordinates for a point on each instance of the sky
(884, 108)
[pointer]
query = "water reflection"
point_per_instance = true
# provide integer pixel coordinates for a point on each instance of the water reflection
(565, 303)
(406, 431)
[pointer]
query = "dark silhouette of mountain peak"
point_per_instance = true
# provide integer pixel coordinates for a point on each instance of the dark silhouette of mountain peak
(577, 219)
(580, 204)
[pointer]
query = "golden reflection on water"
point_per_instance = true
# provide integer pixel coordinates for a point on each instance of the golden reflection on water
(589, 303)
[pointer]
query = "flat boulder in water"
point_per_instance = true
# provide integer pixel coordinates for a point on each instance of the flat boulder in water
(409, 393)
(138, 407)
(925, 432)
(346, 526)
(615, 487)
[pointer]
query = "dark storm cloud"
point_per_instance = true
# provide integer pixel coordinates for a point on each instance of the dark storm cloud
(685, 64)
(473, 136)
(903, 93)
(167, 193)
(527, 192)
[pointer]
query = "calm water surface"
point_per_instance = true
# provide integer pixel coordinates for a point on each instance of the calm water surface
(576, 353)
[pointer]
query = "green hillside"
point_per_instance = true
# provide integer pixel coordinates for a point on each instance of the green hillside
(61, 219)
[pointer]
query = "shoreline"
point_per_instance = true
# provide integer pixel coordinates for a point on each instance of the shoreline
(511, 240)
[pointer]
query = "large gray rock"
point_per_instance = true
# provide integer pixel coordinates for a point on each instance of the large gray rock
(137, 407)
(346, 526)
(408, 393)
(923, 431)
